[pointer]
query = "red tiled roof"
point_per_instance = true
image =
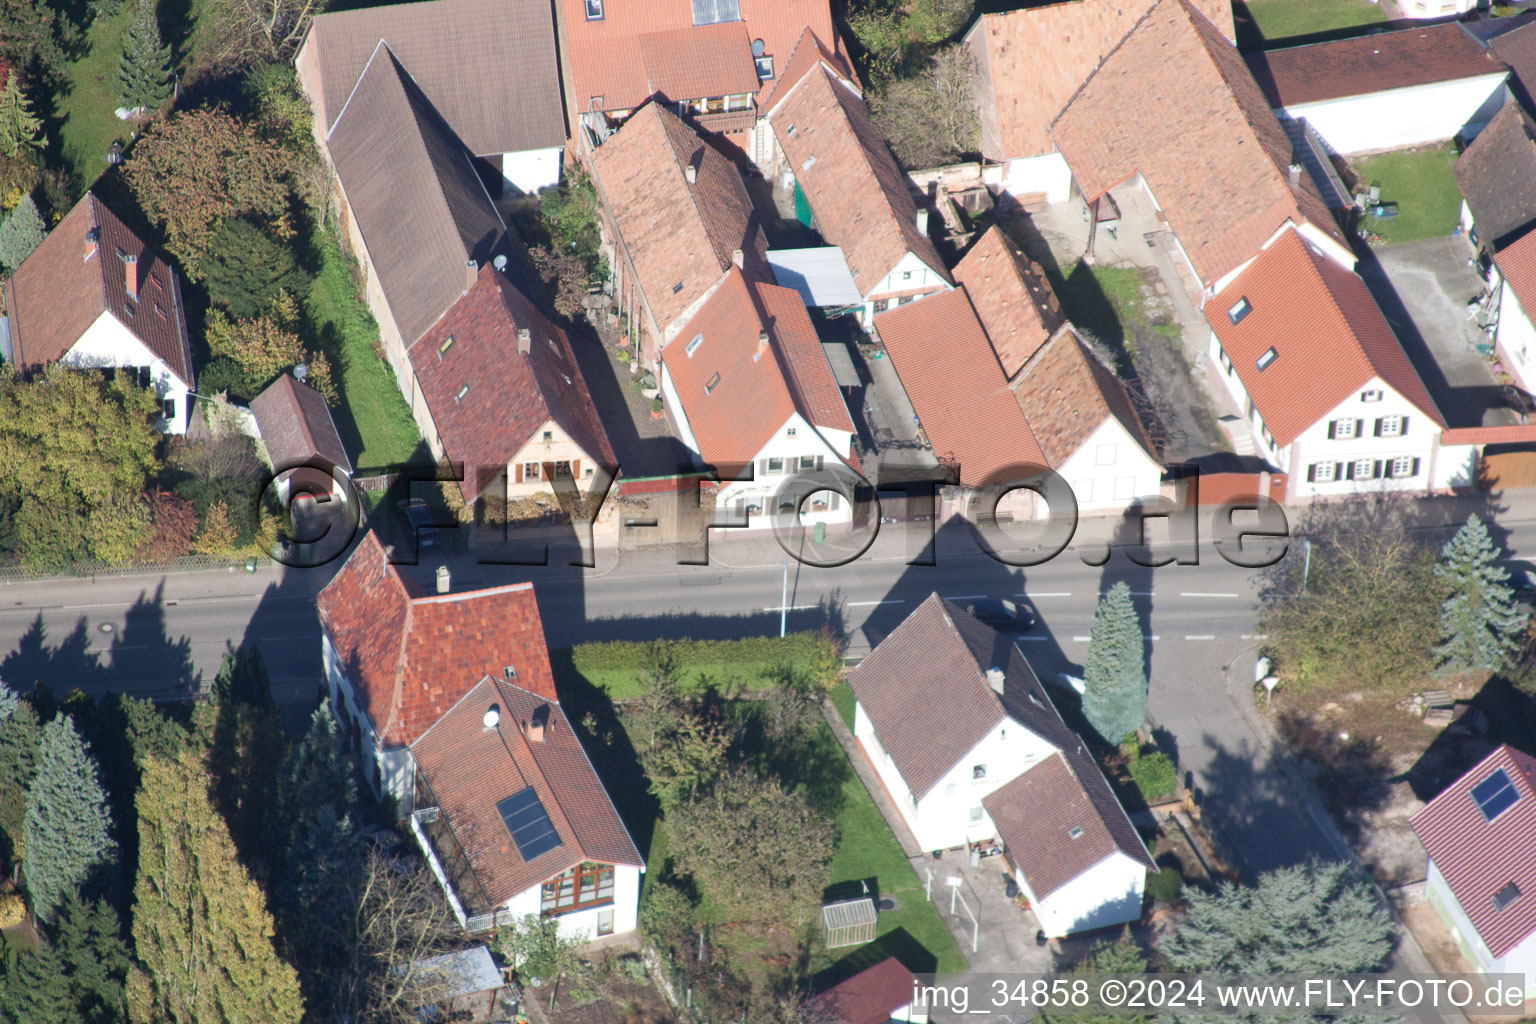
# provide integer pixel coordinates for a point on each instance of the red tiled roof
(511, 395)
(1013, 299)
(675, 233)
(410, 656)
(869, 997)
(65, 285)
(1479, 858)
(606, 58)
(857, 193)
(1515, 434)
(948, 368)
(1036, 813)
(1374, 63)
(1067, 394)
(690, 63)
(296, 425)
(1034, 59)
(1517, 263)
(471, 768)
(1329, 336)
(1176, 102)
(757, 391)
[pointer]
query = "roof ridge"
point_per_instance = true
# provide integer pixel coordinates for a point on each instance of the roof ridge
(554, 795)
(96, 207)
(1102, 60)
(381, 44)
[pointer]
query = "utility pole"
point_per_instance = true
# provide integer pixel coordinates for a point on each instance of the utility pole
(1306, 565)
(784, 601)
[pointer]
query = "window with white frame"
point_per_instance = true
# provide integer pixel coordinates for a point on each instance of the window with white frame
(775, 465)
(978, 771)
(594, 10)
(1371, 395)
(1226, 360)
(977, 812)
(1363, 469)
(1402, 467)
(1344, 429)
(1389, 426)
(1324, 472)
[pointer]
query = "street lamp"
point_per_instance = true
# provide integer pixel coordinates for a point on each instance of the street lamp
(1306, 565)
(784, 601)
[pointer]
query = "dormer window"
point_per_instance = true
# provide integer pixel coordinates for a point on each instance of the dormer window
(1239, 309)
(594, 10)
(1265, 359)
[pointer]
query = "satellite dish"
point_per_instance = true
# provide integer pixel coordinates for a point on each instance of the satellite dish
(500, 263)
(492, 716)
(300, 372)
(758, 47)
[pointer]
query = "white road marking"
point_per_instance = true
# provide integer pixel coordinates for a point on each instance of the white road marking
(1254, 636)
(869, 604)
(1201, 593)
(1199, 636)
(793, 608)
(1081, 639)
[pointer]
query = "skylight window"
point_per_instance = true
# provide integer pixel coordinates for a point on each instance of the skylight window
(1266, 358)
(442, 349)
(462, 392)
(1495, 795)
(713, 383)
(1239, 310)
(594, 10)
(713, 12)
(1505, 896)
(1075, 832)
(528, 824)
(698, 339)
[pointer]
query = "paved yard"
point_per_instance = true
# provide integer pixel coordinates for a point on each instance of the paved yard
(1424, 289)
(643, 446)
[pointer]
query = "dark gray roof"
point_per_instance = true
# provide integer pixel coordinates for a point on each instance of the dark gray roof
(1517, 48)
(296, 425)
(423, 212)
(1497, 175)
(488, 66)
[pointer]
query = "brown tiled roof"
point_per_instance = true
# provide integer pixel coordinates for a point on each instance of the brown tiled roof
(1517, 49)
(1419, 55)
(757, 389)
(1517, 262)
(296, 425)
(64, 286)
(674, 232)
(857, 193)
(947, 367)
(1176, 102)
(691, 63)
(422, 210)
(605, 57)
(869, 997)
(1329, 336)
(1036, 813)
(924, 688)
(470, 768)
(475, 60)
(1067, 394)
(1479, 858)
(410, 655)
(1497, 175)
(511, 395)
(809, 52)
(1013, 299)
(1032, 60)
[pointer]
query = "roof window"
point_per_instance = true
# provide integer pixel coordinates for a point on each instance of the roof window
(698, 339)
(1241, 308)
(594, 10)
(462, 392)
(1505, 896)
(442, 349)
(713, 383)
(1495, 795)
(1075, 832)
(1267, 357)
(713, 12)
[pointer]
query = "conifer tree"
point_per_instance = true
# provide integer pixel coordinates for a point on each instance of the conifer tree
(145, 67)
(245, 753)
(1115, 675)
(22, 232)
(202, 935)
(19, 737)
(1480, 626)
(19, 127)
(37, 989)
(88, 936)
(68, 828)
(8, 701)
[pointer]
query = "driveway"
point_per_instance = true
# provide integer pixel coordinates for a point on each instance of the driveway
(1425, 288)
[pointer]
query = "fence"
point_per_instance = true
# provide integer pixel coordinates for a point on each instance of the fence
(96, 570)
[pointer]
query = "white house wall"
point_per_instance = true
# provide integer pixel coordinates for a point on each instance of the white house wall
(908, 275)
(583, 923)
(679, 414)
(831, 446)
(532, 169)
(1399, 118)
(1435, 8)
(107, 343)
(1516, 336)
(1029, 177)
(1456, 466)
(901, 796)
(1313, 446)
(1108, 893)
(1110, 470)
(390, 771)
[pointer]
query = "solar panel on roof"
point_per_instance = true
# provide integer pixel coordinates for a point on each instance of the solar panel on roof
(528, 823)
(713, 12)
(1494, 795)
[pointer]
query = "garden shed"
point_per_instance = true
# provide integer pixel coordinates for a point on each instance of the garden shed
(849, 922)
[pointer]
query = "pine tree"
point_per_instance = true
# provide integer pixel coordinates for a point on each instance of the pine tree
(68, 828)
(1115, 675)
(20, 734)
(22, 232)
(1314, 918)
(19, 127)
(8, 701)
(89, 940)
(37, 989)
(245, 752)
(145, 67)
(1121, 957)
(202, 935)
(1479, 623)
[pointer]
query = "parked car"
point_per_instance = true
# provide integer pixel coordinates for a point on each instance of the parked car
(419, 523)
(1524, 586)
(1002, 614)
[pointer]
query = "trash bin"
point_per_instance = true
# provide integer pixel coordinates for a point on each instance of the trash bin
(250, 564)
(1010, 887)
(819, 534)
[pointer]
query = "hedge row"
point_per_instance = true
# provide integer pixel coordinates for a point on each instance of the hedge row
(614, 666)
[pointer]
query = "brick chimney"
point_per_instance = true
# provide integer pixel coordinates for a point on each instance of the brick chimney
(92, 243)
(524, 341)
(762, 345)
(691, 173)
(535, 731)
(131, 275)
(739, 258)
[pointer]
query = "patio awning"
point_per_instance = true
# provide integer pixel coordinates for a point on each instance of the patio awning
(820, 275)
(841, 361)
(463, 973)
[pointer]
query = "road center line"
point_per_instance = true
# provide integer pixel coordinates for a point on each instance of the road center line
(793, 608)
(869, 604)
(1199, 636)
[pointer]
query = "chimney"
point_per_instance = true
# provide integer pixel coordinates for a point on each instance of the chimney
(92, 243)
(762, 345)
(1295, 175)
(535, 731)
(922, 221)
(692, 174)
(524, 341)
(995, 679)
(444, 580)
(131, 275)
(739, 258)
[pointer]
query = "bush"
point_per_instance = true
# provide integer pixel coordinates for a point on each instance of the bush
(247, 268)
(1165, 886)
(12, 909)
(751, 663)
(1155, 775)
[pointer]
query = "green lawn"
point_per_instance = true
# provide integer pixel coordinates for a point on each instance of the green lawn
(731, 667)
(843, 699)
(373, 419)
(89, 99)
(1280, 19)
(1421, 183)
